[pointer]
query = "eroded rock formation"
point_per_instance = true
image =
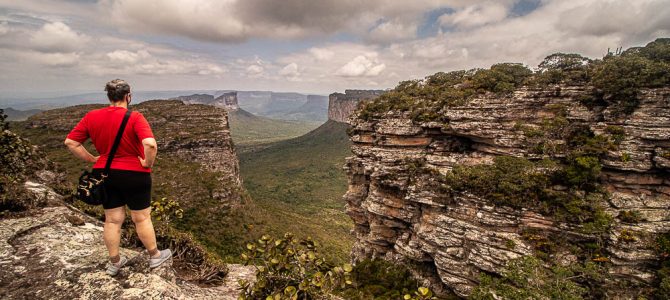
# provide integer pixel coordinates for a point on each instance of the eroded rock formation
(450, 238)
(341, 106)
(227, 100)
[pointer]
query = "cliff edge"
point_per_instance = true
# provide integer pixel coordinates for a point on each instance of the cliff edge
(462, 173)
(57, 252)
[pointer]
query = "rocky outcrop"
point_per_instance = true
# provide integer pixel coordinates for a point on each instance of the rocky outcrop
(57, 253)
(227, 100)
(341, 106)
(450, 238)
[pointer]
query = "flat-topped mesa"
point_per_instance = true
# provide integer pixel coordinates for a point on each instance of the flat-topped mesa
(196, 99)
(405, 209)
(341, 106)
(226, 100)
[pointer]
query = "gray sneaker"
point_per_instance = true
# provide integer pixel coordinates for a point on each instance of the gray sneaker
(165, 255)
(113, 268)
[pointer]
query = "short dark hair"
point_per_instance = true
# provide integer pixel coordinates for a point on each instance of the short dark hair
(117, 89)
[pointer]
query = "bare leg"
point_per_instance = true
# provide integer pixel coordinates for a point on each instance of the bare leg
(112, 231)
(145, 229)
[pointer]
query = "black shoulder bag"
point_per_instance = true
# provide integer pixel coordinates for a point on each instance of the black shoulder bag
(91, 188)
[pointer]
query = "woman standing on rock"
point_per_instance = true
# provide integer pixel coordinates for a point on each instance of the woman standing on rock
(129, 181)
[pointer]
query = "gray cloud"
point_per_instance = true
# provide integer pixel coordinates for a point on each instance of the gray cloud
(238, 20)
(385, 48)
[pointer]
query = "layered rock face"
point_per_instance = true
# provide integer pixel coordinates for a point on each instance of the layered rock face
(341, 106)
(227, 100)
(450, 238)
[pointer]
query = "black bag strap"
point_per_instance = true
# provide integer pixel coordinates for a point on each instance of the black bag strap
(117, 141)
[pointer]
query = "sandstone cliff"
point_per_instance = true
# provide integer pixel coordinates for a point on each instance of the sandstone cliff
(341, 106)
(403, 211)
(227, 100)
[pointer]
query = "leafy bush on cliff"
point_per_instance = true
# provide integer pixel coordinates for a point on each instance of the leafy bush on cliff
(18, 160)
(380, 279)
(663, 273)
(424, 99)
(288, 268)
(528, 278)
(617, 81)
(291, 268)
(520, 183)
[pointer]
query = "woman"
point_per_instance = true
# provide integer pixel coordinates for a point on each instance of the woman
(129, 181)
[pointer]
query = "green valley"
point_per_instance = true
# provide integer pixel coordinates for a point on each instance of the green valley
(297, 186)
(248, 129)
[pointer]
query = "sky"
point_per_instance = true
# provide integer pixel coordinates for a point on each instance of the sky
(309, 46)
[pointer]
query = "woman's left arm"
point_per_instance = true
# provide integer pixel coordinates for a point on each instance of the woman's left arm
(80, 151)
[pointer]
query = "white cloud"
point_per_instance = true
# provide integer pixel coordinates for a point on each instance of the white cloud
(128, 57)
(378, 45)
(57, 37)
(238, 20)
(361, 66)
(4, 27)
(476, 15)
(321, 53)
(392, 31)
(255, 71)
(52, 59)
(290, 70)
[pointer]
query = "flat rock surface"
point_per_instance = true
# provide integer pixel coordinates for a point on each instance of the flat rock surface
(46, 256)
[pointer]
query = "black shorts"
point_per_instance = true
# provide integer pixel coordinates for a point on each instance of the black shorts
(130, 188)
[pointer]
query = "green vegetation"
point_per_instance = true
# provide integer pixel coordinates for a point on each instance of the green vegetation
(630, 216)
(289, 268)
(249, 130)
(383, 280)
(528, 278)
(292, 268)
(302, 180)
(663, 273)
(18, 161)
(617, 81)
(424, 99)
(519, 183)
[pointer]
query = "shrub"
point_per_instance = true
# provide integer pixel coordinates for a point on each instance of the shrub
(528, 278)
(662, 247)
(380, 279)
(618, 133)
(166, 209)
(582, 170)
(619, 78)
(511, 181)
(630, 216)
(289, 268)
(501, 78)
(14, 197)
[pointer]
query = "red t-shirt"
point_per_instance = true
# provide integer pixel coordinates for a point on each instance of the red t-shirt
(101, 125)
